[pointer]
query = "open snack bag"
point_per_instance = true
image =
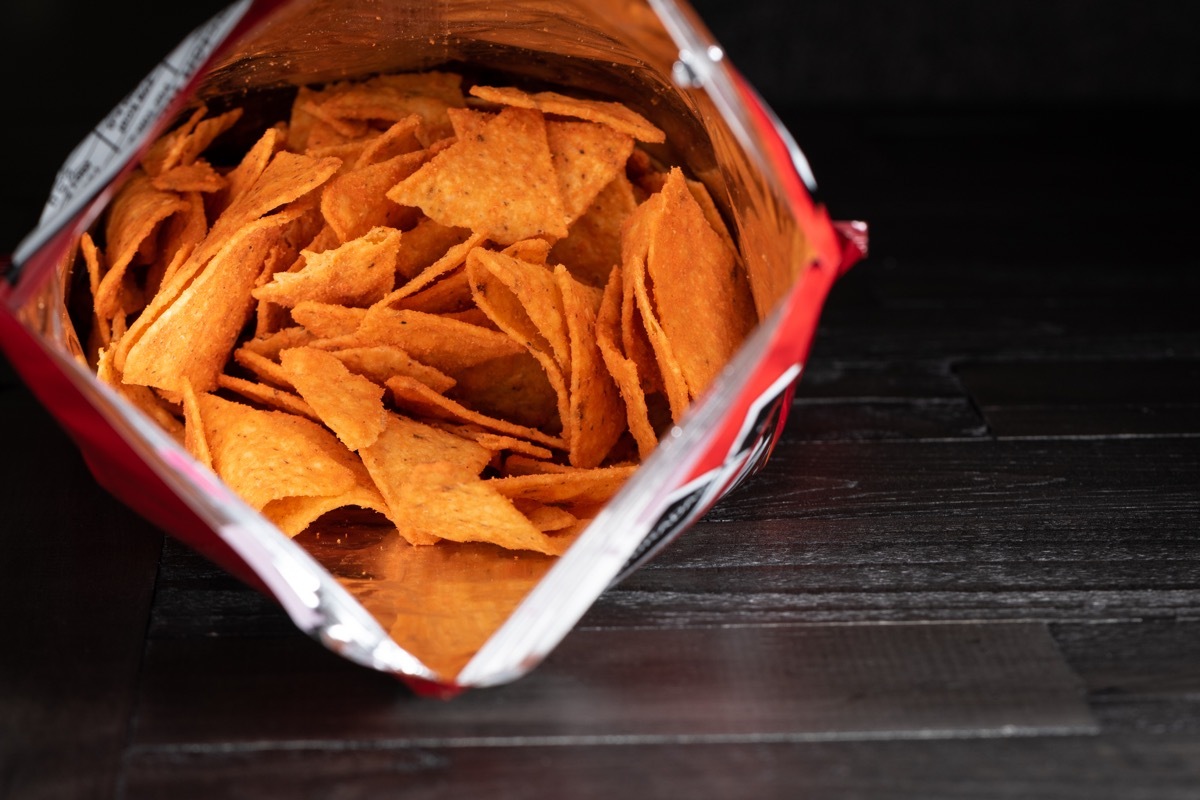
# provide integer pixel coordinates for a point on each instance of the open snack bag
(432, 320)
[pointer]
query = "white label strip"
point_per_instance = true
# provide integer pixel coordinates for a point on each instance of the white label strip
(98, 159)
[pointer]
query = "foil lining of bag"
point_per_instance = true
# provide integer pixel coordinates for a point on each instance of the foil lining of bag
(466, 615)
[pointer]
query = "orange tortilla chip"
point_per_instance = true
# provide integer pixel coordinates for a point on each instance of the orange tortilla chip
(495, 442)
(440, 500)
(198, 176)
(378, 364)
(413, 395)
(401, 138)
(194, 337)
(587, 157)
(251, 167)
(268, 455)
(593, 243)
(263, 367)
(269, 396)
(581, 486)
(548, 518)
(701, 298)
(270, 345)
(537, 314)
(327, 320)
(500, 183)
(452, 260)
(425, 244)
(400, 458)
(354, 202)
(623, 370)
(437, 341)
(194, 439)
(614, 115)
(135, 215)
(293, 515)
(450, 294)
(349, 404)
(635, 250)
(357, 273)
(597, 415)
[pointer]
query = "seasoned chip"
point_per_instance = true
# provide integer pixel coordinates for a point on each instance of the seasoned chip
(437, 341)
(402, 456)
(353, 203)
(425, 244)
(194, 438)
(597, 416)
(440, 500)
(500, 183)
(614, 115)
(198, 176)
(269, 396)
(357, 273)
(698, 286)
(452, 293)
(526, 300)
(349, 404)
(412, 394)
(194, 337)
(623, 370)
(580, 486)
(381, 363)
(401, 138)
(587, 157)
(327, 320)
(269, 346)
(136, 213)
(452, 260)
(294, 514)
(593, 243)
(268, 455)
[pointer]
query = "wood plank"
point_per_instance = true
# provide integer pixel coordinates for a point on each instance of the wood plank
(842, 420)
(1048, 768)
(193, 597)
(76, 580)
(677, 684)
(1086, 397)
(1007, 332)
(971, 483)
(879, 380)
(1140, 677)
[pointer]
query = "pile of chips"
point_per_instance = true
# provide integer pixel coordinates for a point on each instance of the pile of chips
(473, 313)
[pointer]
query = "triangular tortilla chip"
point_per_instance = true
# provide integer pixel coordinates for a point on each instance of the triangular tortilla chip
(267, 455)
(354, 202)
(615, 115)
(587, 157)
(597, 415)
(701, 298)
(349, 404)
(358, 273)
(500, 183)
(194, 337)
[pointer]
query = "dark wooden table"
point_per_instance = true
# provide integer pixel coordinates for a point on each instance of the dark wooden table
(972, 568)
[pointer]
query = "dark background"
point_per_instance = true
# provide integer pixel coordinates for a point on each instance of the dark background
(1109, 73)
